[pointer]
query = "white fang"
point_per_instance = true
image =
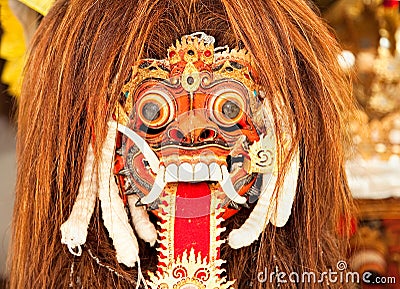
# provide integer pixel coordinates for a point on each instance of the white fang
(156, 190)
(228, 188)
(143, 146)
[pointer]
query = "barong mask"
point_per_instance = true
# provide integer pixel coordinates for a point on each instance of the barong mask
(195, 144)
(199, 111)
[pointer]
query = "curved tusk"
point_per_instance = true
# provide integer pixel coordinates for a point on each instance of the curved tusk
(258, 218)
(277, 212)
(229, 189)
(143, 146)
(156, 190)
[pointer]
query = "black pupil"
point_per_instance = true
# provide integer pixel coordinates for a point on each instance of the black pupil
(151, 111)
(230, 109)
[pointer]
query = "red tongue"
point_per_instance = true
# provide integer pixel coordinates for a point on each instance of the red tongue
(192, 219)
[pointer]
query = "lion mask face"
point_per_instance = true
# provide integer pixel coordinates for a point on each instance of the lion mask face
(200, 112)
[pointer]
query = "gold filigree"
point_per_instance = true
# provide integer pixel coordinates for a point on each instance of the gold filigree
(241, 74)
(191, 49)
(194, 272)
(235, 54)
(185, 63)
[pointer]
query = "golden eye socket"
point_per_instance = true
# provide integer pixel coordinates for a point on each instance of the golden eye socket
(228, 108)
(155, 109)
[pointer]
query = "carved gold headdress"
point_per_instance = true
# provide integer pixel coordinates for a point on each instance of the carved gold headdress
(188, 62)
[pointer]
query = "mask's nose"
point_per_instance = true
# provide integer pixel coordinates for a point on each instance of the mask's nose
(192, 127)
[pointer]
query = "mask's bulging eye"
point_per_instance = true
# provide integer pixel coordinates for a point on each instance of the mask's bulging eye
(155, 109)
(228, 108)
(151, 111)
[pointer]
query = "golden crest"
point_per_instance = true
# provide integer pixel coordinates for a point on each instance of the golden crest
(191, 49)
(189, 272)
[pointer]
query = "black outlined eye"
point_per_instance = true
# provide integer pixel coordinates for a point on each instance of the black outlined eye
(228, 108)
(151, 111)
(155, 109)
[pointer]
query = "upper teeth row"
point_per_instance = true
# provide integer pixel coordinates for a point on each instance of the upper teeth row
(193, 173)
(199, 172)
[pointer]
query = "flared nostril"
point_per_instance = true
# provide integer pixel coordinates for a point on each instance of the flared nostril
(191, 135)
(176, 134)
(207, 134)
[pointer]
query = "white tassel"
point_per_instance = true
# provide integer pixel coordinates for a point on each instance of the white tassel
(74, 230)
(140, 219)
(114, 215)
(277, 212)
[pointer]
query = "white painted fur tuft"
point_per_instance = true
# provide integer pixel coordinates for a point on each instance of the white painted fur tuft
(113, 210)
(284, 202)
(74, 230)
(140, 219)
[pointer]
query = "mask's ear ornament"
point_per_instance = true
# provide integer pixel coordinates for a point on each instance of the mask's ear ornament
(195, 143)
